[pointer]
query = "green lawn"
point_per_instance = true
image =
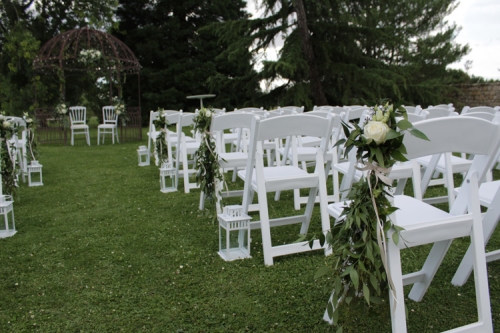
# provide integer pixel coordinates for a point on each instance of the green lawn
(100, 249)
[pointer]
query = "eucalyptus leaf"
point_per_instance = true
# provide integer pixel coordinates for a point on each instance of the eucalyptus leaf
(322, 271)
(366, 293)
(404, 124)
(416, 133)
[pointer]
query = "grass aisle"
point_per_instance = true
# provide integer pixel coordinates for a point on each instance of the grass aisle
(100, 249)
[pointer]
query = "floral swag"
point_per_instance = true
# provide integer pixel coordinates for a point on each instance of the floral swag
(161, 148)
(358, 238)
(209, 175)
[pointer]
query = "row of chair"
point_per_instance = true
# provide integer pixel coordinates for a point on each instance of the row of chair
(422, 222)
(78, 124)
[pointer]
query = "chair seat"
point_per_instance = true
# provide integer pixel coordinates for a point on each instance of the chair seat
(419, 222)
(306, 154)
(487, 192)
(459, 164)
(231, 160)
(82, 126)
(411, 210)
(274, 178)
(310, 141)
(192, 146)
(107, 126)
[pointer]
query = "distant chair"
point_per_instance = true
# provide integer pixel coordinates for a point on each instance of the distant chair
(78, 118)
(488, 109)
(109, 124)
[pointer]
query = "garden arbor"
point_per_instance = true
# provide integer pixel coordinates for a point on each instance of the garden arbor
(94, 53)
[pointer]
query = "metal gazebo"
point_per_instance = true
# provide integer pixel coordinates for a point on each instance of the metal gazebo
(63, 54)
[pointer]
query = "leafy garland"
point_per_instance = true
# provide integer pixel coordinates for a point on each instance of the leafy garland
(9, 169)
(358, 238)
(161, 148)
(209, 175)
(31, 145)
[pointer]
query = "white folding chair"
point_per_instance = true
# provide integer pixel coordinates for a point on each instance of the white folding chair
(278, 178)
(425, 224)
(233, 160)
(306, 155)
(152, 132)
(78, 119)
(109, 124)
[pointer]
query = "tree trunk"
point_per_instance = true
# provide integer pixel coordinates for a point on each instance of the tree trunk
(316, 87)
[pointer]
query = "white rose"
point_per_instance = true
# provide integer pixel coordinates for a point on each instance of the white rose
(6, 124)
(376, 131)
(29, 120)
(208, 113)
(118, 112)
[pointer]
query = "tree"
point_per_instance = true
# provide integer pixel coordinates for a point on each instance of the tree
(363, 49)
(180, 55)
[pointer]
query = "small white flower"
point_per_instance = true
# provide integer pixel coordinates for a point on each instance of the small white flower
(6, 124)
(208, 113)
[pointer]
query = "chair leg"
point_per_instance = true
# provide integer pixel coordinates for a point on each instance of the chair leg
(398, 313)
(265, 225)
(98, 135)
(430, 268)
(72, 138)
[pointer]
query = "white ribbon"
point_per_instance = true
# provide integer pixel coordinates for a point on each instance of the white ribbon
(380, 173)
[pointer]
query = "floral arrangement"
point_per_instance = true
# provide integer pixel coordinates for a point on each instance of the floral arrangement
(9, 169)
(119, 107)
(161, 148)
(61, 109)
(358, 238)
(209, 175)
(89, 56)
(31, 145)
(60, 113)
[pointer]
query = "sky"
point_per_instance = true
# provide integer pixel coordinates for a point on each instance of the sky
(480, 29)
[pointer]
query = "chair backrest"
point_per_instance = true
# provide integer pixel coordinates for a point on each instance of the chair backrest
(291, 109)
(446, 106)
(285, 126)
(487, 109)
(249, 109)
(437, 112)
(468, 135)
(231, 121)
(78, 114)
(412, 117)
(483, 115)
(355, 113)
(108, 115)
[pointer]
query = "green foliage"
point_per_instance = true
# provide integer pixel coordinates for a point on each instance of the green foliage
(161, 148)
(209, 175)
(181, 54)
(358, 240)
(363, 50)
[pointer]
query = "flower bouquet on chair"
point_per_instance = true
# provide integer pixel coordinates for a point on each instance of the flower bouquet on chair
(357, 239)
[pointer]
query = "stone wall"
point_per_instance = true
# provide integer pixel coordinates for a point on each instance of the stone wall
(477, 94)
